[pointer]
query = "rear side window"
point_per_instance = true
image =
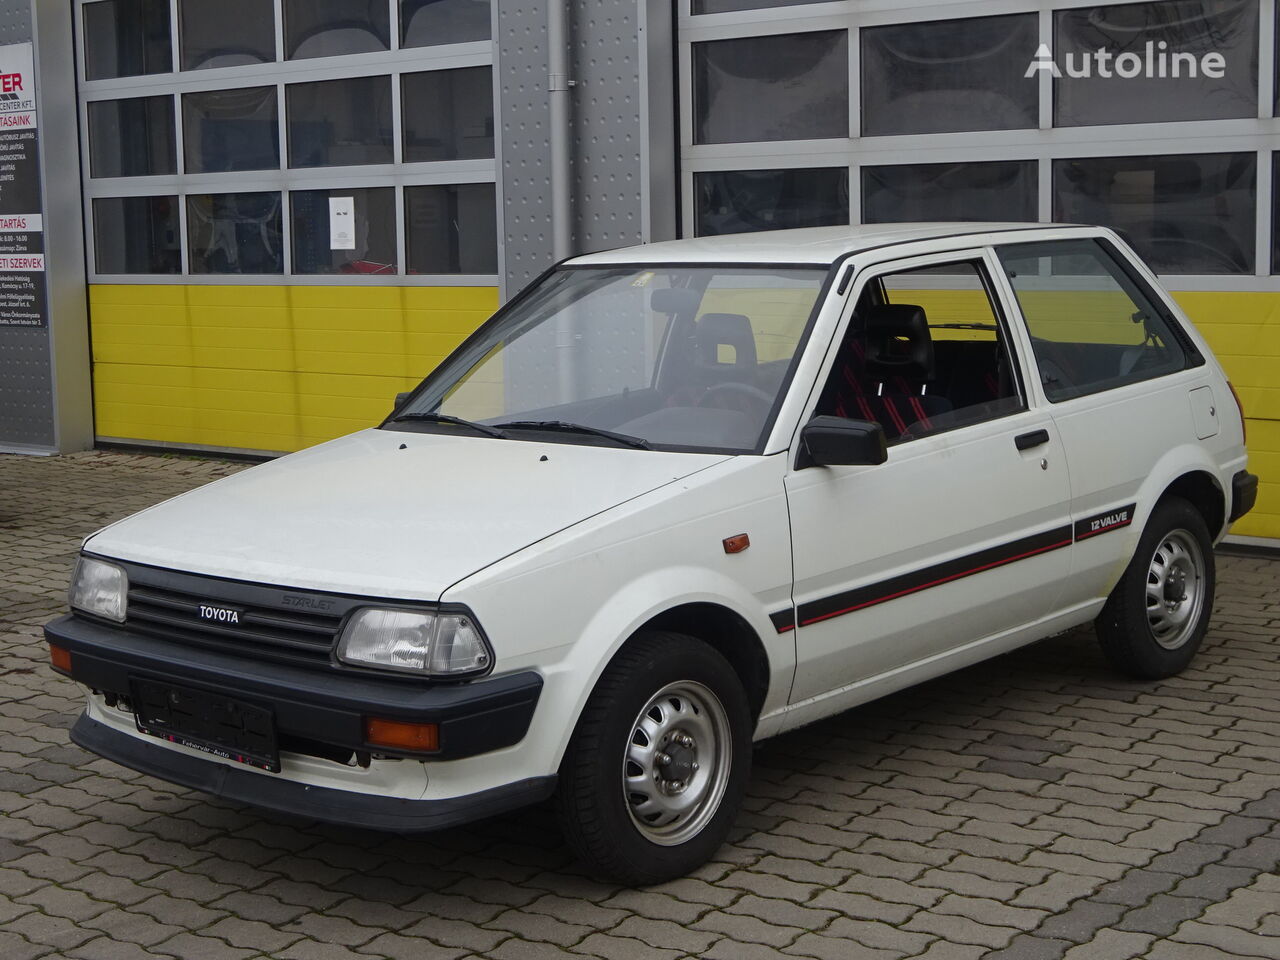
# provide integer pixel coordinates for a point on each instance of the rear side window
(1092, 325)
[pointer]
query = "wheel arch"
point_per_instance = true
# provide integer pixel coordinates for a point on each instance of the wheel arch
(727, 633)
(1203, 491)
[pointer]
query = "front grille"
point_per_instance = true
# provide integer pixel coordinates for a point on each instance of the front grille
(275, 623)
(176, 615)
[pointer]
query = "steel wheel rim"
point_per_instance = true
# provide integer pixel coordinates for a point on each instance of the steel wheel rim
(1175, 588)
(671, 802)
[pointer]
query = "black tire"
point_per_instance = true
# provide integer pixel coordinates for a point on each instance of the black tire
(593, 800)
(1144, 630)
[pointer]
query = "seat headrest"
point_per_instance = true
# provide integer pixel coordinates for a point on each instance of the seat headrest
(731, 329)
(898, 342)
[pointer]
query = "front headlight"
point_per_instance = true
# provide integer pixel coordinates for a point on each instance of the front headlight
(413, 641)
(100, 588)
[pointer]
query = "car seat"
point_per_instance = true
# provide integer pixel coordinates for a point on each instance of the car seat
(883, 375)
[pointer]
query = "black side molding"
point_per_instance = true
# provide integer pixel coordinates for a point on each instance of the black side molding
(1244, 494)
(301, 799)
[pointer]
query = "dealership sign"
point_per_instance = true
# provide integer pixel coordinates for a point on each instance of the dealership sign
(23, 302)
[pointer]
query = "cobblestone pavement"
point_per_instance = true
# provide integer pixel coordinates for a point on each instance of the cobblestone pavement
(1032, 807)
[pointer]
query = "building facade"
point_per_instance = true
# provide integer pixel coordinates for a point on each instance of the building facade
(261, 219)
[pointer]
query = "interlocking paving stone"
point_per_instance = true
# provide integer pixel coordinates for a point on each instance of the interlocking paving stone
(1214, 882)
(1035, 806)
(1025, 946)
(1111, 945)
(1231, 939)
(1079, 923)
(1162, 915)
(15, 947)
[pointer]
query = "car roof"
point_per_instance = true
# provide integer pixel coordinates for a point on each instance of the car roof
(811, 245)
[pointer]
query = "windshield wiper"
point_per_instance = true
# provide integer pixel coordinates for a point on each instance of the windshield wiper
(565, 426)
(488, 431)
(962, 326)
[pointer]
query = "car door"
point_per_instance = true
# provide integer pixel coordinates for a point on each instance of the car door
(1120, 382)
(960, 534)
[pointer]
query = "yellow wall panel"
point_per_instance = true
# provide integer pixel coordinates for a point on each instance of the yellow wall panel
(266, 367)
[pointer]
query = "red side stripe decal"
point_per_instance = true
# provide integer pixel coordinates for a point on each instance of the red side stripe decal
(935, 583)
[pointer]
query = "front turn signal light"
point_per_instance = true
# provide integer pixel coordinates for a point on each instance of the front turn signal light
(60, 657)
(400, 735)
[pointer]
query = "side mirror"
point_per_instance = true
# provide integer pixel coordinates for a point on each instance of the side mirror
(837, 442)
(401, 398)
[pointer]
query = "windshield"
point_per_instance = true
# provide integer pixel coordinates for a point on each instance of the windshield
(664, 357)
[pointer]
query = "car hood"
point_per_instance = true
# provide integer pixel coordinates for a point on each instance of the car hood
(389, 514)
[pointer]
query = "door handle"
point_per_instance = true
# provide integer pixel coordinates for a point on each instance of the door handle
(1025, 441)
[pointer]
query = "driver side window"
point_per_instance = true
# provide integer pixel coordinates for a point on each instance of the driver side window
(925, 352)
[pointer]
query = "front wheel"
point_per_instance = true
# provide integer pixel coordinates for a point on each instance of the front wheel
(657, 767)
(1157, 615)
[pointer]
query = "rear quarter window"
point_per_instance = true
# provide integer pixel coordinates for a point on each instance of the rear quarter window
(1093, 327)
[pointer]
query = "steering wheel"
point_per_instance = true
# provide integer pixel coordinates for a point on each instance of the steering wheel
(742, 397)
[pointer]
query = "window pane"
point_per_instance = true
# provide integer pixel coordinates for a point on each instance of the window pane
(644, 351)
(234, 233)
(949, 191)
(949, 75)
(330, 28)
(132, 138)
(1091, 326)
(137, 235)
(373, 244)
(424, 23)
(125, 38)
(727, 6)
(924, 352)
(451, 229)
(740, 201)
(1144, 44)
(1191, 213)
(338, 122)
(230, 130)
(790, 87)
(227, 33)
(448, 114)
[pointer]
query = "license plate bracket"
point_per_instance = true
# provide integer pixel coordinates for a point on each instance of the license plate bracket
(204, 720)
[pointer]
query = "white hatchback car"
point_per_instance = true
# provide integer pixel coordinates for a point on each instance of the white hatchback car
(670, 500)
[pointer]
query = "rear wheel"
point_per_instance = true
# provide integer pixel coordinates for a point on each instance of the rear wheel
(1157, 615)
(658, 764)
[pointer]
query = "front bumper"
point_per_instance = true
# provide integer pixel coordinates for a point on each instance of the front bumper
(303, 799)
(309, 705)
(1244, 494)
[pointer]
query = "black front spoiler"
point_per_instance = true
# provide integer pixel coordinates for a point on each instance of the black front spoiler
(273, 792)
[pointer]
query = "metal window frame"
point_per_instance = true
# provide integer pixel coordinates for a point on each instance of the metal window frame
(1043, 144)
(393, 63)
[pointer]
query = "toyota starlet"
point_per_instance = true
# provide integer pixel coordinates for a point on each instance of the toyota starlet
(668, 501)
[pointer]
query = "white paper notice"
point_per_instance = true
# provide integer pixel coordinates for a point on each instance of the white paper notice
(342, 223)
